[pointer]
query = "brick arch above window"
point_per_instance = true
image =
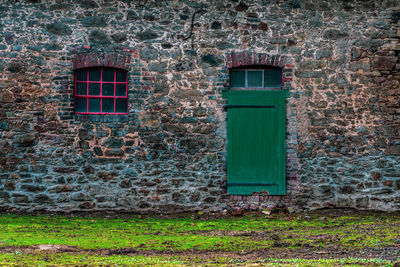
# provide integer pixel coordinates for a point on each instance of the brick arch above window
(248, 60)
(240, 59)
(119, 59)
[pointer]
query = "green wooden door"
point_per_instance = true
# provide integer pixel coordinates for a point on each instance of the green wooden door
(256, 142)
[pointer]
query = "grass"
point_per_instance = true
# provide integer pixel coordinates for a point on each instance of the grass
(45, 259)
(63, 259)
(326, 262)
(279, 232)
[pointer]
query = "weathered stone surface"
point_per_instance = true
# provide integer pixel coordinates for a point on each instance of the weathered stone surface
(86, 205)
(381, 24)
(119, 37)
(99, 37)
(184, 66)
(170, 152)
(58, 28)
(94, 21)
(98, 151)
(242, 6)
(84, 135)
(88, 4)
(161, 86)
(5, 147)
(325, 191)
(262, 26)
(148, 53)
(393, 150)
(211, 60)
(4, 196)
(79, 196)
(179, 198)
(107, 176)
(132, 15)
(20, 198)
(125, 184)
(310, 74)
(376, 175)
(334, 34)
(311, 65)
(15, 67)
(42, 199)
(363, 64)
(114, 152)
(158, 66)
(60, 7)
(146, 35)
(323, 53)
(384, 63)
(397, 185)
(362, 202)
(32, 188)
(215, 25)
(9, 185)
(113, 142)
(60, 188)
(346, 189)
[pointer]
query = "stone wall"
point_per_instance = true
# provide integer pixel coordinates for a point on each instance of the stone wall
(169, 153)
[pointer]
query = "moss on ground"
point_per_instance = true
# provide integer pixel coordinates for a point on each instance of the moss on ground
(198, 233)
(64, 259)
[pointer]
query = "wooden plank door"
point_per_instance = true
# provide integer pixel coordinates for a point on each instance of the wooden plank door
(256, 142)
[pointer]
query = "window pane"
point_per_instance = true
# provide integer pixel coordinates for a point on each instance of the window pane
(108, 105)
(81, 75)
(121, 89)
(108, 75)
(94, 89)
(237, 78)
(108, 89)
(80, 105)
(121, 106)
(95, 75)
(272, 78)
(94, 105)
(81, 88)
(121, 76)
(254, 78)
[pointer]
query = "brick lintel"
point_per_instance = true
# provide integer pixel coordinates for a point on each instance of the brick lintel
(120, 60)
(239, 59)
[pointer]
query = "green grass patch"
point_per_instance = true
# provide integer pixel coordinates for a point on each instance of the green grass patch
(325, 262)
(64, 259)
(194, 232)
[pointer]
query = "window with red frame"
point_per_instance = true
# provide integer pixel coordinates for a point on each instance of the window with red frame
(101, 91)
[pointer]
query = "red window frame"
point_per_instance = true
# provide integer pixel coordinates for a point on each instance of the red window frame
(101, 96)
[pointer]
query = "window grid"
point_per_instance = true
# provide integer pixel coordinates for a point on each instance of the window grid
(246, 79)
(101, 96)
(263, 78)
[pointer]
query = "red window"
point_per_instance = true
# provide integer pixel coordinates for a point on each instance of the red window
(101, 91)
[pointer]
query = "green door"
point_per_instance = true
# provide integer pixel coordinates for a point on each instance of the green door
(256, 142)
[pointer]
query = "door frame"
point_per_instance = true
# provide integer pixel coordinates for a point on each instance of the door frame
(279, 102)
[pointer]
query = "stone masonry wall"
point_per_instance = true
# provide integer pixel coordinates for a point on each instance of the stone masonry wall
(341, 65)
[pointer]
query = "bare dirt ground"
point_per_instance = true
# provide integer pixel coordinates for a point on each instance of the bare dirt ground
(387, 253)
